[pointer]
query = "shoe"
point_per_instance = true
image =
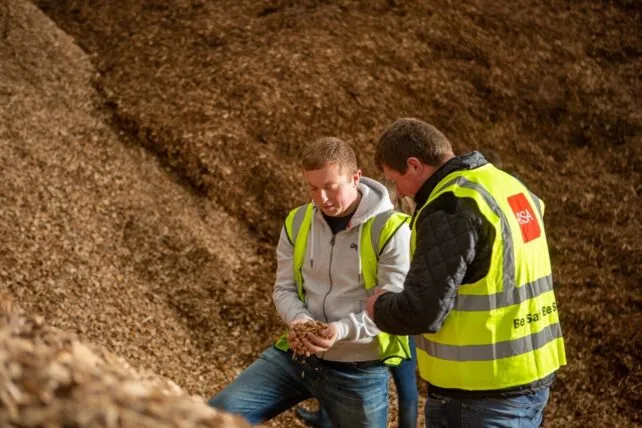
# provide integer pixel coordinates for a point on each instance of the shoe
(316, 419)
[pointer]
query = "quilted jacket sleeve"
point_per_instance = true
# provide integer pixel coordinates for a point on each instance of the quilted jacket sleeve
(447, 244)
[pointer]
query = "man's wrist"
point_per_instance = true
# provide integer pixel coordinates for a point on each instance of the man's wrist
(376, 307)
(341, 329)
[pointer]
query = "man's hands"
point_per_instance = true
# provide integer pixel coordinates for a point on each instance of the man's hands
(322, 342)
(370, 304)
(307, 336)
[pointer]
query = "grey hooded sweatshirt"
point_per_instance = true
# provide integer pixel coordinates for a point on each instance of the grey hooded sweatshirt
(334, 288)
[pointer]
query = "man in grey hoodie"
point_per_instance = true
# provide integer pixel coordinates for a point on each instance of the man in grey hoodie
(327, 280)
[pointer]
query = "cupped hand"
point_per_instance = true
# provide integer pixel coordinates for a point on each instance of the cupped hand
(322, 342)
(295, 343)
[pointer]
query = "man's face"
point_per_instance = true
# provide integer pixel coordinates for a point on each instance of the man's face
(333, 191)
(406, 184)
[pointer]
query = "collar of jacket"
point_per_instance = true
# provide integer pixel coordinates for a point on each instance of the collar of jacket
(468, 161)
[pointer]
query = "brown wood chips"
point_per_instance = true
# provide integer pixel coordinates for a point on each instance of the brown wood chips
(48, 378)
(300, 331)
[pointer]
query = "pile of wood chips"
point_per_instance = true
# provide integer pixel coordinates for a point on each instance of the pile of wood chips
(49, 378)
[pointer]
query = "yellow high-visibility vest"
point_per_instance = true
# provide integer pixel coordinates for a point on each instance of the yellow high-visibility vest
(376, 232)
(504, 329)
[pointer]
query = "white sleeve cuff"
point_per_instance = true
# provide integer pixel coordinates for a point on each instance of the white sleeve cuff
(343, 329)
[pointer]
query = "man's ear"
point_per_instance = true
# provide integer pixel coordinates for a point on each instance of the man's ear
(356, 177)
(413, 163)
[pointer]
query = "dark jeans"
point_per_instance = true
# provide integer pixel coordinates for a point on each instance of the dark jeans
(524, 411)
(354, 396)
(405, 378)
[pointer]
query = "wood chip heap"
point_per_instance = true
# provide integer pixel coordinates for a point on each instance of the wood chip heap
(49, 378)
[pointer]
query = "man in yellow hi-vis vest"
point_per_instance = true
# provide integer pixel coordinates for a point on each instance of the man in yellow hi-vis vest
(334, 252)
(479, 292)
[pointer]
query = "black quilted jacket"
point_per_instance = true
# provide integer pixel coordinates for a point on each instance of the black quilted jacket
(453, 247)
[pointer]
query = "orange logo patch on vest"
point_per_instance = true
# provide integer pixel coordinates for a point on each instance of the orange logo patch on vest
(525, 217)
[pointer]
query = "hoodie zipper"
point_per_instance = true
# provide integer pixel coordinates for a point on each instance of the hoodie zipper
(332, 241)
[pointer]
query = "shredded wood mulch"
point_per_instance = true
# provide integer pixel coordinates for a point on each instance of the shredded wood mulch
(300, 331)
(50, 378)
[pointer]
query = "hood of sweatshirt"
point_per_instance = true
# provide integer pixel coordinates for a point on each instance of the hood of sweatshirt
(374, 200)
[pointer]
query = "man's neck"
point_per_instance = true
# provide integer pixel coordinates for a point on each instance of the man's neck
(353, 206)
(431, 170)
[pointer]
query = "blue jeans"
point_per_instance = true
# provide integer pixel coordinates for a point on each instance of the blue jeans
(353, 396)
(524, 411)
(405, 377)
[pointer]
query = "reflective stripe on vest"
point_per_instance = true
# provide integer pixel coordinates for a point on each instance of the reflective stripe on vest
(375, 234)
(488, 352)
(297, 220)
(504, 329)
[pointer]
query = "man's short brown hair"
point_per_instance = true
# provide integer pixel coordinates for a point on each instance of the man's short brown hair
(411, 137)
(327, 150)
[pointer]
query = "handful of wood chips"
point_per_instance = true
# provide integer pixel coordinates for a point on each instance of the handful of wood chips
(300, 331)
